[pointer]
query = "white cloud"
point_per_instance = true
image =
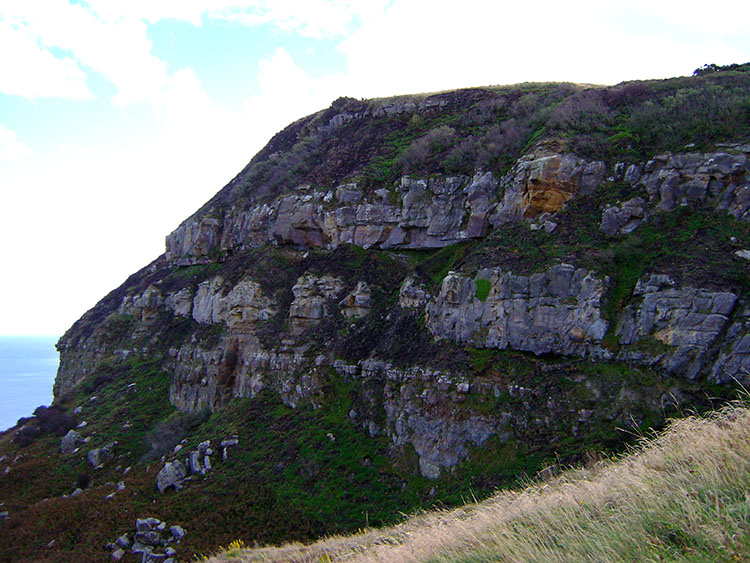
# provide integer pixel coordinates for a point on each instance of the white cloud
(10, 147)
(310, 18)
(28, 70)
(417, 46)
(119, 48)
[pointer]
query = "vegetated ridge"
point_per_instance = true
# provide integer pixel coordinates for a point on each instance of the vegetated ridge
(681, 495)
(400, 304)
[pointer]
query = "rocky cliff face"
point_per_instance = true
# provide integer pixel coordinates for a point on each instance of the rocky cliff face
(419, 213)
(694, 332)
(399, 303)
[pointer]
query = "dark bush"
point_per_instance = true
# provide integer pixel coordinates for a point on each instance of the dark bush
(97, 383)
(167, 434)
(83, 480)
(27, 434)
(54, 420)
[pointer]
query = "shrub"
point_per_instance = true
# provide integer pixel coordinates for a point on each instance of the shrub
(167, 434)
(54, 420)
(27, 434)
(83, 480)
(97, 383)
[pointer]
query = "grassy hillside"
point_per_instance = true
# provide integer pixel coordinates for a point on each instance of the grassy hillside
(679, 496)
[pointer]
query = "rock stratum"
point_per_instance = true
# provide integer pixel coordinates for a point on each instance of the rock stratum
(426, 293)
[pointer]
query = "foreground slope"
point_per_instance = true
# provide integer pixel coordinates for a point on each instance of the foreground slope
(680, 496)
(401, 303)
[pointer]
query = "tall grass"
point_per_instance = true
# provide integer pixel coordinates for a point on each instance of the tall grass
(681, 496)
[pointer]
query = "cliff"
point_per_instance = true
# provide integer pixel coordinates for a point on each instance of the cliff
(428, 294)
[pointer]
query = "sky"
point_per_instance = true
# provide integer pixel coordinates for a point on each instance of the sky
(118, 119)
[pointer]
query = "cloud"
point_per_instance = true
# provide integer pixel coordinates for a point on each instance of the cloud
(10, 147)
(310, 18)
(315, 19)
(29, 70)
(119, 49)
(111, 38)
(414, 46)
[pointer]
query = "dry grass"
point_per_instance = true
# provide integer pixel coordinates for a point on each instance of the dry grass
(681, 496)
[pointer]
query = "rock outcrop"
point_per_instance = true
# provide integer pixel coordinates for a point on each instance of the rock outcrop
(733, 362)
(669, 181)
(675, 328)
(557, 311)
(311, 296)
(421, 213)
(687, 331)
(543, 181)
(415, 213)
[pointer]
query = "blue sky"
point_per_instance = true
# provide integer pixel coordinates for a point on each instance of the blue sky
(119, 119)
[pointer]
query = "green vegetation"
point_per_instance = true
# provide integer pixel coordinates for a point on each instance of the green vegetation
(483, 289)
(680, 496)
(489, 128)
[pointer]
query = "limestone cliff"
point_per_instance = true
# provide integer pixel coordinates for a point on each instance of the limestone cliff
(289, 334)
(400, 303)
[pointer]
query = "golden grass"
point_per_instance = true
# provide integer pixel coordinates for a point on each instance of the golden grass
(681, 496)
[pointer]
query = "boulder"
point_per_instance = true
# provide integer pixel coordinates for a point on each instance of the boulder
(177, 532)
(70, 442)
(99, 456)
(171, 475)
(623, 218)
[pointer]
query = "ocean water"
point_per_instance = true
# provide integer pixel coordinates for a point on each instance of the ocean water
(28, 365)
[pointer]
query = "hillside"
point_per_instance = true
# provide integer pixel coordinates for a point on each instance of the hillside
(679, 496)
(401, 304)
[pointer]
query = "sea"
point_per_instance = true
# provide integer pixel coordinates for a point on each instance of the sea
(28, 365)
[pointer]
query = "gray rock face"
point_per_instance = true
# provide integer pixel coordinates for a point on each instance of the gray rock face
(414, 214)
(623, 218)
(171, 475)
(311, 294)
(418, 404)
(557, 311)
(671, 327)
(733, 362)
(242, 306)
(682, 179)
(440, 443)
(70, 442)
